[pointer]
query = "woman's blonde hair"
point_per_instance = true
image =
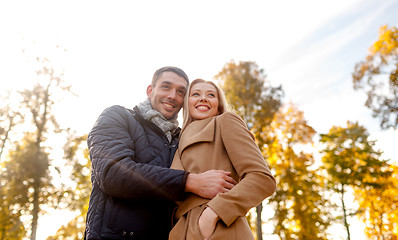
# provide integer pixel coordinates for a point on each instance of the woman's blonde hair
(222, 102)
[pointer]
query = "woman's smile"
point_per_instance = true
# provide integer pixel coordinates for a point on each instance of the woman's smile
(203, 101)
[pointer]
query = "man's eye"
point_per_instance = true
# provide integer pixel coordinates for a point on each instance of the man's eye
(181, 92)
(165, 87)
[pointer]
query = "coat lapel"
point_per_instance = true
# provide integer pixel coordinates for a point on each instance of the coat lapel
(197, 131)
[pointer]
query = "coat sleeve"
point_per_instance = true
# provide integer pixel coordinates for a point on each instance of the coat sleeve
(114, 165)
(256, 181)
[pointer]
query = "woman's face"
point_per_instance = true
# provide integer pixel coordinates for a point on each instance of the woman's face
(203, 101)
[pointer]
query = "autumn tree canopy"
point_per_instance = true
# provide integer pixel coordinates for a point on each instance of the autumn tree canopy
(377, 75)
(301, 210)
(352, 162)
(254, 99)
(27, 170)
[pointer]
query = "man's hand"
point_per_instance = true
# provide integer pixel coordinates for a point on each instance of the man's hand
(210, 183)
(207, 222)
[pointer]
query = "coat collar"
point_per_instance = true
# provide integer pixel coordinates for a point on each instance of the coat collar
(138, 116)
(197, 131)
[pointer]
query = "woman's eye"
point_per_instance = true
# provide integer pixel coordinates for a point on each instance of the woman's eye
(195, 94)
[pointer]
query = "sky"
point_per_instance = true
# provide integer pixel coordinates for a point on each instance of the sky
(109, 50)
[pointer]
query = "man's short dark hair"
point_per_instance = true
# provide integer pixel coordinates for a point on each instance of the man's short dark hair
(175, 70)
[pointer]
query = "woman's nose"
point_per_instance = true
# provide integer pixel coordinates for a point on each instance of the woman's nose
(203, 98)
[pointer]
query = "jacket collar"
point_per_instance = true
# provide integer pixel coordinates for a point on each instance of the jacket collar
(197, 131)
(138, 116)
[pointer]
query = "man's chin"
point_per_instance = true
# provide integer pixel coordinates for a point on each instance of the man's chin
(172, 117)
(169, 116)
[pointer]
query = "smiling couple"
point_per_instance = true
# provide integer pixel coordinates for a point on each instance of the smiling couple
(144, 165)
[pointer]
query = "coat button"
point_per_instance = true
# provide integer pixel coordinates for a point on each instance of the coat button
(124, 233)
(131, 233)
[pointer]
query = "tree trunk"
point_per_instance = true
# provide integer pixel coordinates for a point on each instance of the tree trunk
(36, 187)
(259, 210)
(345, 214)
(3, 231)
(40, 124)
(36, 208)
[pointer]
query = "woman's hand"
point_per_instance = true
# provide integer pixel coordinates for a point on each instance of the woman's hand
(207, 222)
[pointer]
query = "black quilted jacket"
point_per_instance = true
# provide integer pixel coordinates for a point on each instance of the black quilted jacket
(133, 188)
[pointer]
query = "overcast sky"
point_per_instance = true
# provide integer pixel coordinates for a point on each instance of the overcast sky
(110, 49)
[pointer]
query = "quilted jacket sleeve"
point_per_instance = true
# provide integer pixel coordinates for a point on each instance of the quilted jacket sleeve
(116, 168)
(256, 181)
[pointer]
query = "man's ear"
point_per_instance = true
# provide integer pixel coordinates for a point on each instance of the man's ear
(149, 91)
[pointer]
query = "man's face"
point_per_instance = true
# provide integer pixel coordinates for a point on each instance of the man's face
(167, 96)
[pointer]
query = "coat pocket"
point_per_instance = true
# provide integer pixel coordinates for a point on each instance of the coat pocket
(193, 230)
(187, 228)
(201, 209)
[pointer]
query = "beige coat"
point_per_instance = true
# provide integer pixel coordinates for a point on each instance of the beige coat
(224, 143)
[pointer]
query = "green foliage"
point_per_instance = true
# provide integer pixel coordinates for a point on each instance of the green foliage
(369, 74)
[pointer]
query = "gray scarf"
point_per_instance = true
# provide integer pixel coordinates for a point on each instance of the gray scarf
(148, 113)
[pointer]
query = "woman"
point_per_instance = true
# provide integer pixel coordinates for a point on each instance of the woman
(214, 138)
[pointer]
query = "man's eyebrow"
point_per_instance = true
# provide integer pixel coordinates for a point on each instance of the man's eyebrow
(170, 83)
(166, 82)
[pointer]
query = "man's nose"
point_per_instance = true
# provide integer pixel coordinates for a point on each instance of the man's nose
(172, 94)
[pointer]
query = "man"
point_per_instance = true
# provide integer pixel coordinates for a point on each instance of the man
(131, 151)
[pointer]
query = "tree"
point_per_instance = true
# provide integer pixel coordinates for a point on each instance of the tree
(252, 97)
(78, 157)
(351, 161)
(39, 102)
(369, 75)
(379, 205)
(17, 178)
(300, 207)
(11, 227)
(9, 118)
(249, 93)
